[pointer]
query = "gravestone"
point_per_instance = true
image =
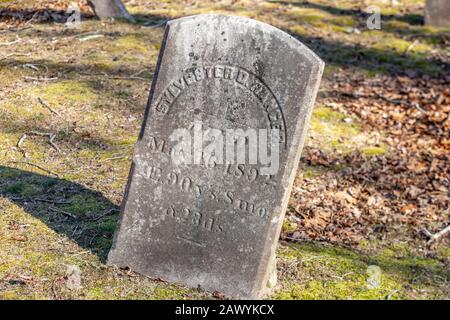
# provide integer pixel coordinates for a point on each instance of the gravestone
(437, 13)
(215, 224)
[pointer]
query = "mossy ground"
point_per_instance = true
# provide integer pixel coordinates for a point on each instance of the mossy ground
(312, 271)
(59, 207)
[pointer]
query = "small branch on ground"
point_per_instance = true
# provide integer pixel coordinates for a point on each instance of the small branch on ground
(31, 66)
(21, 140)
(62, 212)
(19, 145)
(17, 54)
(45, 105)
(53, 144)
(436, 236)
(114, 158)
(40, 79)
(10, 43)
(107, 212)
(14, 30)
(389, 296)
(36, 166)
(50, 136)
(51, 201)
(91, 37)
(410, 47)
(129, 78)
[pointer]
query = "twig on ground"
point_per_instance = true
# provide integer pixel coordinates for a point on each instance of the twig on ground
(53, 144)
(62, 212)
(16, 198)
(50, 136)
(55, 294)
(94, 36)
(21, 140)
(410, 47)
(129, 78)
(34, 66)
(389, 296)
(107, 212)
(84, 34)
(31, 66)
(93, 238)
(14, 30)
(80, 253)
(132, 77)
(42, 134)
(10, 43)
(19, 54)
(19, 145)
(51, 201)
(40, 79)
(114, 158)
(74, 231)
(138, 73)
(32, 18)
(80, 233)
(45, 105)
(436, 236)
(36, 166)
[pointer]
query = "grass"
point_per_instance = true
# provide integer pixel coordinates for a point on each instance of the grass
(100, 110)
(326, 272)
(333, 131)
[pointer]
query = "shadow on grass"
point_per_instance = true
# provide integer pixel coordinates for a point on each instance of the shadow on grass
(332, 51)
(89, 219)
(371, 59)
(404, 267)
(411, 19)
(83, 215)
(402, 25)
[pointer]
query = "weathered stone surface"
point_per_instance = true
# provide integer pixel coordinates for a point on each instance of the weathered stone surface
(437, 13)
(217, 227)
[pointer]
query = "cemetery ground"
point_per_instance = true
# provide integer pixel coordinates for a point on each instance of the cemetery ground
(372, 182)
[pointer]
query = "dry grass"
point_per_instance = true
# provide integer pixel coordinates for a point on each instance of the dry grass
(58, 205)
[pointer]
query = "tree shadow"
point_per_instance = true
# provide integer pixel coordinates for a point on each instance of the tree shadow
(150, 20)
(402, 25)
(372, 59)
(83, 215)
(404, 267)
(412, 19)
(333, 52)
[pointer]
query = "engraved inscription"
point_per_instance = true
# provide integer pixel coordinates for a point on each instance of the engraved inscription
(186, 184)
(241, 77)
(192, 217)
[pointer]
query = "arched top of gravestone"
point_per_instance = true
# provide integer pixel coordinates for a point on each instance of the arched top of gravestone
(249, 29)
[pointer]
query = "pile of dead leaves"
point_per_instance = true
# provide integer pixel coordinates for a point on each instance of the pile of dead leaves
(13, 15)
(402, 193)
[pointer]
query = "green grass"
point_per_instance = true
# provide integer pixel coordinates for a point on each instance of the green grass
(326, 272)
